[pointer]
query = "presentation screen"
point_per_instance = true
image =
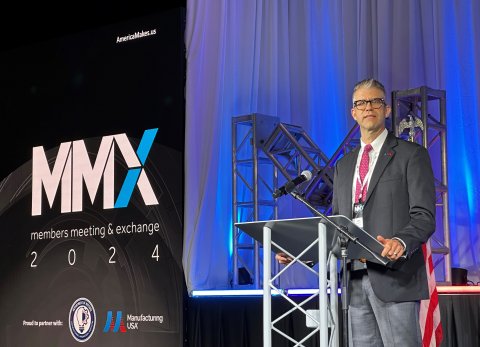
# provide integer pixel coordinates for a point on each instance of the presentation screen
(91, 191)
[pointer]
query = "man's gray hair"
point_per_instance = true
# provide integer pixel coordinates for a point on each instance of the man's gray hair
(368, 83)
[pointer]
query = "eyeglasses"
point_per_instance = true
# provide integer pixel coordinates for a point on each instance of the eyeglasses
(362, 104)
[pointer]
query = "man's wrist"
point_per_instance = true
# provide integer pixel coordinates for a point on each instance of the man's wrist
(403, 245)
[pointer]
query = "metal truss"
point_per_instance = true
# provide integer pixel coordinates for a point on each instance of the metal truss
(320, 191)
(419, 115)
(263, 147)
(254, 180)
(292, 151)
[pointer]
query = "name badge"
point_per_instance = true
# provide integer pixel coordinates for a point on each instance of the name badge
(358, 214)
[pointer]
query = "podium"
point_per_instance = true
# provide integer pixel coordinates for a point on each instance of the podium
(298, 238)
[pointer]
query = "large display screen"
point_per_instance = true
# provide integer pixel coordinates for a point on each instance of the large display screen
(91, 204)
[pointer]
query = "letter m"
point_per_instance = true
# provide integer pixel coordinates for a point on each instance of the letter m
(72, 167)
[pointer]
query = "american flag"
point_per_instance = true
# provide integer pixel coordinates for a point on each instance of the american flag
(430, 323)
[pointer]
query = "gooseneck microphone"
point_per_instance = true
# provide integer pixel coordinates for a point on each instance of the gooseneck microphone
(288, 187)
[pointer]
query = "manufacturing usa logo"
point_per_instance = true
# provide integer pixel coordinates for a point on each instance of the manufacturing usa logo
(114, 325)
(82, 319)
(72, 170)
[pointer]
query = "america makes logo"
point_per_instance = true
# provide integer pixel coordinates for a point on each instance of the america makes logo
(82, 319)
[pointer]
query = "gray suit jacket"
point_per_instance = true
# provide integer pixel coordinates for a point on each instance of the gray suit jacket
(400, 202)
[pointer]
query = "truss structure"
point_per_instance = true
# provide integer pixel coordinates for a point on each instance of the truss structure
(266, 154)
(419, 114)
(254, 180)
(292, 151)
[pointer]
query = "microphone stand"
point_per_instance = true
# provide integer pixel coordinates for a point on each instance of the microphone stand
(345, 237)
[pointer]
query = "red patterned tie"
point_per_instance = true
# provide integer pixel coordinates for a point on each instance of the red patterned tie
(361, 186)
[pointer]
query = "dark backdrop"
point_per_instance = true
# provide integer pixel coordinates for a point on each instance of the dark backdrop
(81, 82)
(64, 77)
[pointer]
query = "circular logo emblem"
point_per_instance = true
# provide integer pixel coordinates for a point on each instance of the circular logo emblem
(82, 319)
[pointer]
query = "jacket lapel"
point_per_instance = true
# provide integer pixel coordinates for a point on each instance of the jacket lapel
(386, 154)
(350, 170)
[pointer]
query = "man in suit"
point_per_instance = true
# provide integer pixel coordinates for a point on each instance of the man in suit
(389, 192)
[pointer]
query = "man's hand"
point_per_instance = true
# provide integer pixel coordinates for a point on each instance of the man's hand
(283, 258)
(392, 249)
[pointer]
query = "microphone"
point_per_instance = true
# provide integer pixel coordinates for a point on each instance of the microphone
(288, 187)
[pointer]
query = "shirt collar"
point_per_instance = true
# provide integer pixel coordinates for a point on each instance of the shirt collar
(378, 142)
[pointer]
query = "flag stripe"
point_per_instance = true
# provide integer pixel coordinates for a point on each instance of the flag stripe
(429, 315)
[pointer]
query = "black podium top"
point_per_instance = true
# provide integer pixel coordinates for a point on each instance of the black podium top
(296, 234)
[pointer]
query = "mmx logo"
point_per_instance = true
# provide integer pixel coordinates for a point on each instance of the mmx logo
(72, 169)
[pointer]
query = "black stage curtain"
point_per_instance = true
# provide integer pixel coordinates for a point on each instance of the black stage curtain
(237, 322)
(460, 320)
